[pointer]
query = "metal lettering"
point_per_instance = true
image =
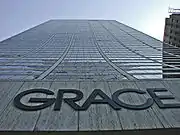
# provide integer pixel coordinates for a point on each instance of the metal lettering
(69, 101)
(146, 105)
(115, 102)
(105, 100)
(46, 101)
(158, 98)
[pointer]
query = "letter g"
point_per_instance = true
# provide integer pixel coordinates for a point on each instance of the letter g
(46, 101)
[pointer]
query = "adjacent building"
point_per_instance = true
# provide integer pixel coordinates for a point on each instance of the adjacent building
(89, 76)
(172, 44)
(172, 29)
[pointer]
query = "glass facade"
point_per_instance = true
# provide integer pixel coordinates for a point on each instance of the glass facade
(80, 50)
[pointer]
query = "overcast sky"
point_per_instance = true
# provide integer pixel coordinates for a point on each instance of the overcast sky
(147, 16)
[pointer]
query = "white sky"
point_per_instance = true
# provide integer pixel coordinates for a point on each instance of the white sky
(147, 16)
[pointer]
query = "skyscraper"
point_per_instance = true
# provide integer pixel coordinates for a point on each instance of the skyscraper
(81, 50)
(87, 58)
(171, 44)
(172, 29)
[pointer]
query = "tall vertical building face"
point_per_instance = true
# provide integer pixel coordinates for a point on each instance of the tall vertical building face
(171, 45)
(81, 50)
(81, 76)
(172, 30)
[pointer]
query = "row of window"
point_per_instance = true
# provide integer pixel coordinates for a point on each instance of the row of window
(134, 52)
(175, 20)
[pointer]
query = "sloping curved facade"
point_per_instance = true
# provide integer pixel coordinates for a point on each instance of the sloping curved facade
(118, 80)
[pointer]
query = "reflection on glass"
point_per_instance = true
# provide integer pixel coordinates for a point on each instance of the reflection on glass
(171, 57)
(99, 51)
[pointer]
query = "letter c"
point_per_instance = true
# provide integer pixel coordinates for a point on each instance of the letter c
(146, 105)
(46, 101)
